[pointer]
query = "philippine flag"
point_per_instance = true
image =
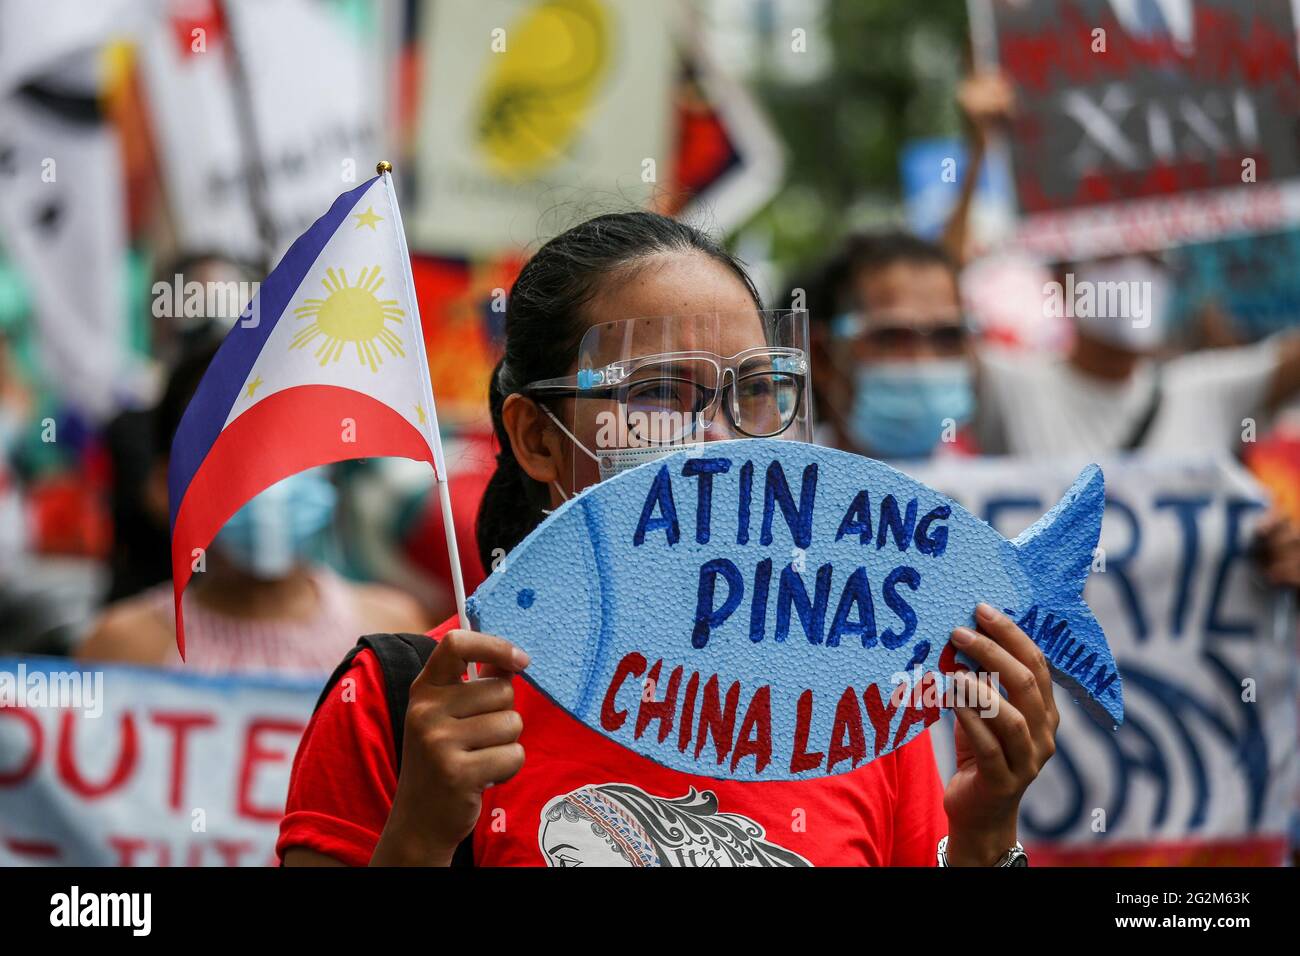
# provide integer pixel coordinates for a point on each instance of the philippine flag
(327, 363)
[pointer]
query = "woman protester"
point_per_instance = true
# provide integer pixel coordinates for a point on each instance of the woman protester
(406, 762)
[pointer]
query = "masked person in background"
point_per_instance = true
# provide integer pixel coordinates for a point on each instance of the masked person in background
(261, 603)
(1112, 393)
(179, 324)
(894, 361)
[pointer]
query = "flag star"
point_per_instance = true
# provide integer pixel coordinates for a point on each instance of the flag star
(367, 218)
(419, 410)
(252, 386)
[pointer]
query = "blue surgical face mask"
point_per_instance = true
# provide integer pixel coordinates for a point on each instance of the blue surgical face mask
(901, 409)
(276, 530)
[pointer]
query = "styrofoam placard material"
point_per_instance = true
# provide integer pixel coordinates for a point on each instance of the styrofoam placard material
(773, 610)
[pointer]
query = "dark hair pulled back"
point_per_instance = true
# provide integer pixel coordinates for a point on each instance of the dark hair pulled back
(544, 326)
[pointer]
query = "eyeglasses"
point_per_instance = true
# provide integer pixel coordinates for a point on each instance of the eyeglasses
(946, 337)
(666, 396)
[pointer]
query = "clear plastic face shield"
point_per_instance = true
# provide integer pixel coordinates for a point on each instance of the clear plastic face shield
(648, 387)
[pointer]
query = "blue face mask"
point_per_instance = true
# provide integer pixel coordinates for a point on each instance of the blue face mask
(900, 409)
(275, 530)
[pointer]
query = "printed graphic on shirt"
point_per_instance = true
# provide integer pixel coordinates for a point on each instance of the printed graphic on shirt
(617, 824)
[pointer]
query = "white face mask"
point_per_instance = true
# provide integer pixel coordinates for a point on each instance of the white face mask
(1139, 288)
(619, 460)
(615, 461)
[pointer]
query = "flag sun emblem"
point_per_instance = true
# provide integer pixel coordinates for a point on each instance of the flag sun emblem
(350, 315)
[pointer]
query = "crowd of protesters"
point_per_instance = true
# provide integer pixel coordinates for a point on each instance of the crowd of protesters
(899, 370)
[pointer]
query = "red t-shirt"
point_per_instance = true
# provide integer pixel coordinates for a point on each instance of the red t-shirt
(582, 799)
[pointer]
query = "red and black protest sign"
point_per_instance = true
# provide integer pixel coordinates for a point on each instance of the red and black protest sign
(1143, 124)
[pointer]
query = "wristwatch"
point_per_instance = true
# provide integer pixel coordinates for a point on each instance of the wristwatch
(1016, 856)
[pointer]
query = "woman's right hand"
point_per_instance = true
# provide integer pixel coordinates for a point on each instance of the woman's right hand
(461, 737)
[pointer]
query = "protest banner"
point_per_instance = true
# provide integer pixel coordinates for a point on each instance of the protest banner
(64, 228)
(814, 589)
(729, 162)
(1203, 770)
(286, 94)
(726, 164)
(555, 103)
(1142, 126)
(135, 766)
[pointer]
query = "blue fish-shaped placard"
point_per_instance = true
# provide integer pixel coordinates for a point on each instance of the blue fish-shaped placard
(750, 609)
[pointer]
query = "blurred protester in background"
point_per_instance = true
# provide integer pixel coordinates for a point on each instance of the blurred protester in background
(1110, 392)
(141, 549)
(261, 603)
(30, 620)
(182, 320)
(891, 349)
(14, 413)
(1122, 385)
(471, 460)
(389, 522)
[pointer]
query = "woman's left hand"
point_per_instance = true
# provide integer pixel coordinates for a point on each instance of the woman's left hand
(1001, 750)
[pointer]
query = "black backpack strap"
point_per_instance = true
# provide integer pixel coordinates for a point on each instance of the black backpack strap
(401, 658)
(1142, 426)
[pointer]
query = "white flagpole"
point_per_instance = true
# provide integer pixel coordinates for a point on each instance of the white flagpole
(384, 169)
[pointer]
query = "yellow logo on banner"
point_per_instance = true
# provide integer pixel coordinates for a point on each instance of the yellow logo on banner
(541, 86)
(350, 314)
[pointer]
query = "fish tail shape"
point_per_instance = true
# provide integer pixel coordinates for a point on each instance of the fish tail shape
(1056, 553)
